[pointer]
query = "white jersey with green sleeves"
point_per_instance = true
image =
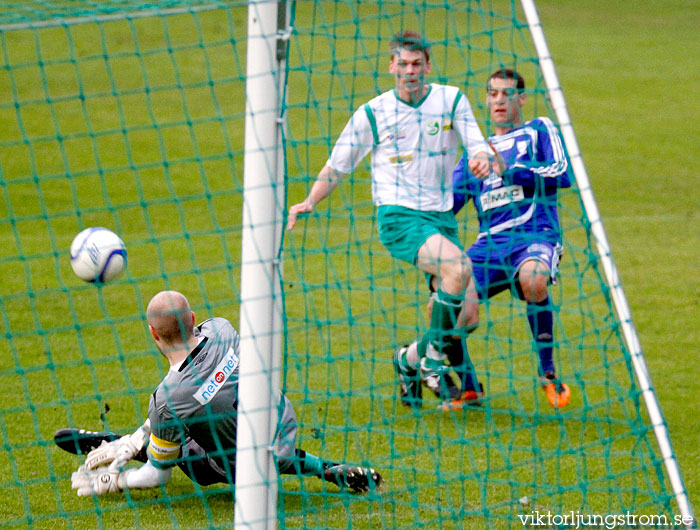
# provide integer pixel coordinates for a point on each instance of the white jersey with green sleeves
(414, 146)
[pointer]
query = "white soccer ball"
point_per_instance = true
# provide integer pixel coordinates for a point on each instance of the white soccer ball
(97, 255)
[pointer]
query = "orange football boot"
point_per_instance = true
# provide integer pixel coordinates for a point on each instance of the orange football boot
(558, 393)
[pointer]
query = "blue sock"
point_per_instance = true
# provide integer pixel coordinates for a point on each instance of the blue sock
(459, 359)
(541, 320)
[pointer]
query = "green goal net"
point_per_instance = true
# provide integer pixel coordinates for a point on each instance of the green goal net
(131, 116)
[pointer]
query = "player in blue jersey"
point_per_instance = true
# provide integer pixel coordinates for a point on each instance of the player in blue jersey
(192, 421)
(519, 242)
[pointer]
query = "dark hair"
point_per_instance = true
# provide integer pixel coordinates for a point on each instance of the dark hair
(410, 40)
(508, 73)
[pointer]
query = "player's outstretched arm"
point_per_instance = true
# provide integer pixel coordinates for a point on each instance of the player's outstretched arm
(114, 479)
(326, 182)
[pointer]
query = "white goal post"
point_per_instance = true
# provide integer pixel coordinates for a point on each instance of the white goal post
(261, 306)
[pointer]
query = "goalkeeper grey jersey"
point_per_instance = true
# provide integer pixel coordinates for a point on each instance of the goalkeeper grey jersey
(198, 400)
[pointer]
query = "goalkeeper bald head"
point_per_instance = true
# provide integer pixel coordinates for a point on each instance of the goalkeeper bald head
(171, 322)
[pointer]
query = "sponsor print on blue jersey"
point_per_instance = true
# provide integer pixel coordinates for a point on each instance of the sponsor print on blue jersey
(501, 196)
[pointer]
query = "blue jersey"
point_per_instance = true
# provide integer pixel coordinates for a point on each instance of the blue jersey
(523, 201)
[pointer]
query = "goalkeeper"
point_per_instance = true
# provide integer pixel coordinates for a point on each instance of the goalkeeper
(519, 243)
(192, 417)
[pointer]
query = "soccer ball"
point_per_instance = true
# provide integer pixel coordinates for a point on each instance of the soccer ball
(97, 255)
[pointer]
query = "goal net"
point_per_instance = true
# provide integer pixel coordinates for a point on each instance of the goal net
(131, 116)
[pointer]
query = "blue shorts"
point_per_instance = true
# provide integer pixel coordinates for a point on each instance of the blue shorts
(495, 265)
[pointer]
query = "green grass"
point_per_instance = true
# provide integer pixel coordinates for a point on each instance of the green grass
(163, 167)
(619, 68)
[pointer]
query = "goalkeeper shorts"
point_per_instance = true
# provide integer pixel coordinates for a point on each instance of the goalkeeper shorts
(206, 469)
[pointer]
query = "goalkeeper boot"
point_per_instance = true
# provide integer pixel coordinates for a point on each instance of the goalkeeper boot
(358, 479)
(80, 441)
(558, 394)
(409, 382)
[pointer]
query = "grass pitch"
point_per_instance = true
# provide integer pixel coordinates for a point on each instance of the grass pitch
(78, 355)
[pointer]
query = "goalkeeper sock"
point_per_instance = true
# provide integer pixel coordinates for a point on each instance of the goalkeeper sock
(541, 320)
(303, 463)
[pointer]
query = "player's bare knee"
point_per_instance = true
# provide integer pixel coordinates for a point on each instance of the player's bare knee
(535, 288)
(541, 285)
(471, 316)
(448, 280)
(455, 276)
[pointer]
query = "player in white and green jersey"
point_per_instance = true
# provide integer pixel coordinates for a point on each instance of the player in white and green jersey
(192, 416)
(413, 133)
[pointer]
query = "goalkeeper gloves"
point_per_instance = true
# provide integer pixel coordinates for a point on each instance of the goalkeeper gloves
(99, 481)
(118, 451)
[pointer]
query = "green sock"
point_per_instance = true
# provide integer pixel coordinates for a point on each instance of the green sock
(303, 463)
(446, 307)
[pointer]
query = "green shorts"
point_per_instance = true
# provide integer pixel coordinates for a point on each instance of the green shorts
(403, 231)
